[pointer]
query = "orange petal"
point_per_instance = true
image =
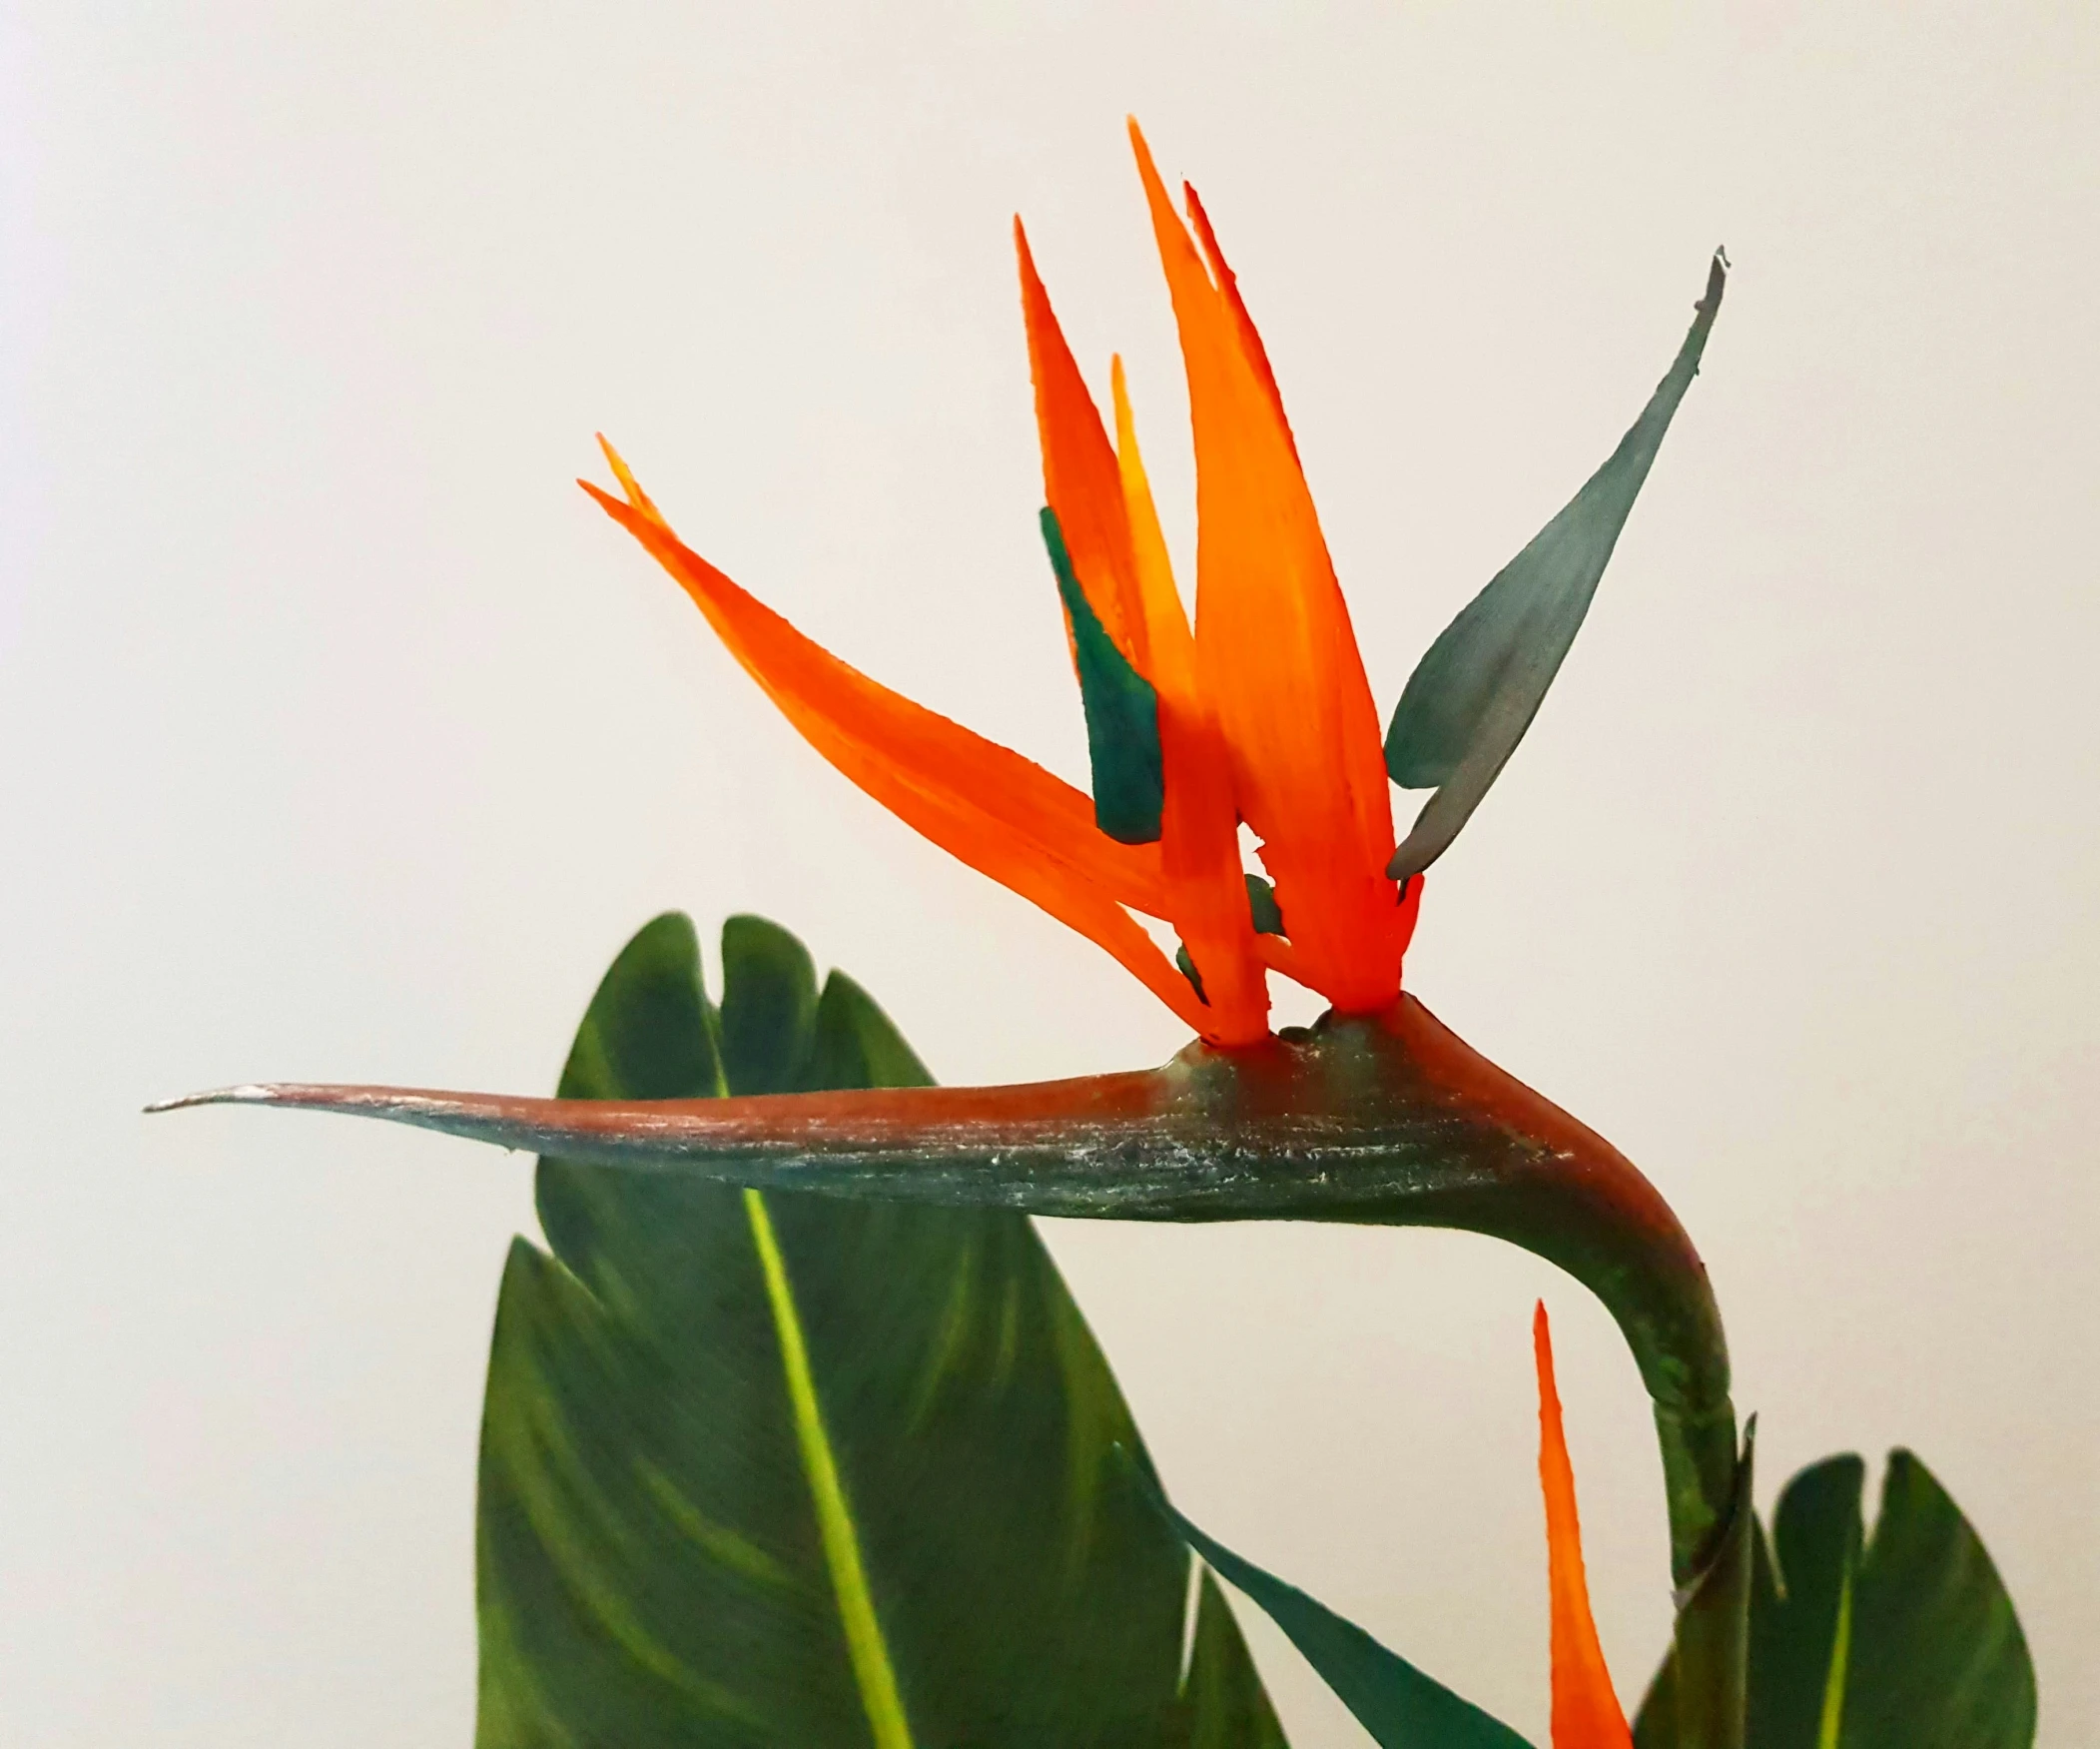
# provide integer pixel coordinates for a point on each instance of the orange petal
(1275, 654)
(1002, 814)
(1243, 323)
(1199, 824)
(1205, 890)
(1080, 475)
(1172, 650)
(1585, 1711)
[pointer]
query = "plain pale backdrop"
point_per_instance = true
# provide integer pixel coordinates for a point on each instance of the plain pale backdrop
(344, 738)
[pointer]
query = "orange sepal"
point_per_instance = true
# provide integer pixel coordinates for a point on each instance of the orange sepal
(1275, 654)
(1080, 476)
(1586, 1710)
(1243, 323)
(1169, 645)
(1199, 824)
(987, 806)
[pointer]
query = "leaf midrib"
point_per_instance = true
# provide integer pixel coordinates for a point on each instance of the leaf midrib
(866, 1649)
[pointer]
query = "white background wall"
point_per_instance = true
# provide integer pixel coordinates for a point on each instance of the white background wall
(344, 738)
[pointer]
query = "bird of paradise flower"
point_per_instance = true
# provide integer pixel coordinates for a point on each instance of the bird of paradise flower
(1260, 714)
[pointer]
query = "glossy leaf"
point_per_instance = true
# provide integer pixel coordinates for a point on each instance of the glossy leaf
(1122, 713)
(1939, 1660)
(1904, 1641)
(1470, 699)
(776, 1468)
(1223, 1705)
(1402, 1707)
(1795, 1633)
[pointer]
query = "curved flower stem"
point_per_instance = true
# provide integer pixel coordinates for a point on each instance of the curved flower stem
(1389, 1120)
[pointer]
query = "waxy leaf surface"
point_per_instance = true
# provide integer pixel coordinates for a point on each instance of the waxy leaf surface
(1905, 1640)
(1402, 1707)
(765, 1467)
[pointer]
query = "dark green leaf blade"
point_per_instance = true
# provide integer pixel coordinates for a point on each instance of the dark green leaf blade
(853, 1043)
(1224, 1704)
(655, 1565)
(613, 1541)
(1815, 1538)
(1122, 712)
(1939, 1660)
(769, 1007)
(1402, 1707)
(1473, 696)
(1909, 1642)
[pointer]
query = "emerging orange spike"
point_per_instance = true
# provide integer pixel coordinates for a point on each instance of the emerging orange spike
(1080, 475)
(1275, 652)
(1003, 815)
(1586, 1710)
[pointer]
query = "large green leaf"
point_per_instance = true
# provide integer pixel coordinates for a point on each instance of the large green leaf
(1906, 1640)
(1470, 699)
(1400, 1706)
(1939, 1660)
(781, 1469)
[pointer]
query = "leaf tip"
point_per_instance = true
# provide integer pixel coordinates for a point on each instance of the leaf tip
(1717, 282)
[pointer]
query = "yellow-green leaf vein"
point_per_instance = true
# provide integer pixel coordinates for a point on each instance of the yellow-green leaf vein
(865, 1647)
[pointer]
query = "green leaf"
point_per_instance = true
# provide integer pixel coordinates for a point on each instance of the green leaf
(1797, 1667)
(1470, 699)
(769, 1009)
(1904, 1641)
(1224, 1705)
(1122, 712)
(779, 1467)
(1939, 1660)
(1402, 1707)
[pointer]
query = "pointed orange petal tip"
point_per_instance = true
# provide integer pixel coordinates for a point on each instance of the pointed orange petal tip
(1080, 473)
(1141, 148)
(628, 483)
(1228, 283)
(1586, 1710)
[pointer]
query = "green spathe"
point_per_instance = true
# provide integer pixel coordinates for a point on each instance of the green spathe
(1385, 1120)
